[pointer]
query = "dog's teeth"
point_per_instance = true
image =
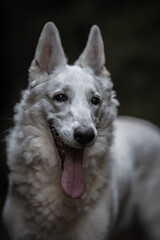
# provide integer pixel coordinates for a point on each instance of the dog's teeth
(62, 164)
(59, 144)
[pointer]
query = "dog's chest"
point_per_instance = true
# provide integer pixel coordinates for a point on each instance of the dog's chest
(47, 209)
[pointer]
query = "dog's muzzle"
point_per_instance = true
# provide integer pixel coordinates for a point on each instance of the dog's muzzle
(72, 180)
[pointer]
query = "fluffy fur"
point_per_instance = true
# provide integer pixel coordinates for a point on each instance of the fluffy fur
(122, 160)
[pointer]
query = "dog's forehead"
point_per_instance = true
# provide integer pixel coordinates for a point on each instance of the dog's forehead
(77, 75)
(74, 77)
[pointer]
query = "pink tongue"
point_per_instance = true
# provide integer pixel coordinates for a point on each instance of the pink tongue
(72, 181)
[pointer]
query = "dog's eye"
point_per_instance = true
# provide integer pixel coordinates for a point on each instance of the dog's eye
(60, 97)
(95, 100)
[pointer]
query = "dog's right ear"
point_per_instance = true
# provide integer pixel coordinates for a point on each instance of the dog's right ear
(93, 55)
(49, 52)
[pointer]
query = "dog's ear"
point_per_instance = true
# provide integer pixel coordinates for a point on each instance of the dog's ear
(93, 55)
(49, 52)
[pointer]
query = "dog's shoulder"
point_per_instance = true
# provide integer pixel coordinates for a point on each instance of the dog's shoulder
(136, 146)
(137, 131)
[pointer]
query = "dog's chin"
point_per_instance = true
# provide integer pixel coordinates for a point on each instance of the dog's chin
(71, 156)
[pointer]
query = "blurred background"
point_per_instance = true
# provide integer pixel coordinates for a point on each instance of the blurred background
(131, 34)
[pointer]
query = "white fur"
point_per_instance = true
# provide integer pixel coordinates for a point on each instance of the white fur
(123, 158)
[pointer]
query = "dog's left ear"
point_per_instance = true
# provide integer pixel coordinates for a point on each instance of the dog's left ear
(93, 55)
(49, 52)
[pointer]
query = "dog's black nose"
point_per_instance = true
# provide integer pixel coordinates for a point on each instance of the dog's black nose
(84, 135)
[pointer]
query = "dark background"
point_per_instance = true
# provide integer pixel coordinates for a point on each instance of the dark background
(130, 30)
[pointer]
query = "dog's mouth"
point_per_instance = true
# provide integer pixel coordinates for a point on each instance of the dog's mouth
(72, 181)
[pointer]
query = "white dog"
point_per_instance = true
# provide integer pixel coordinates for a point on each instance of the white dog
(72, 164)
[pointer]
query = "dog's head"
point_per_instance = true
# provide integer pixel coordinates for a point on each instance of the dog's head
(78, 101)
